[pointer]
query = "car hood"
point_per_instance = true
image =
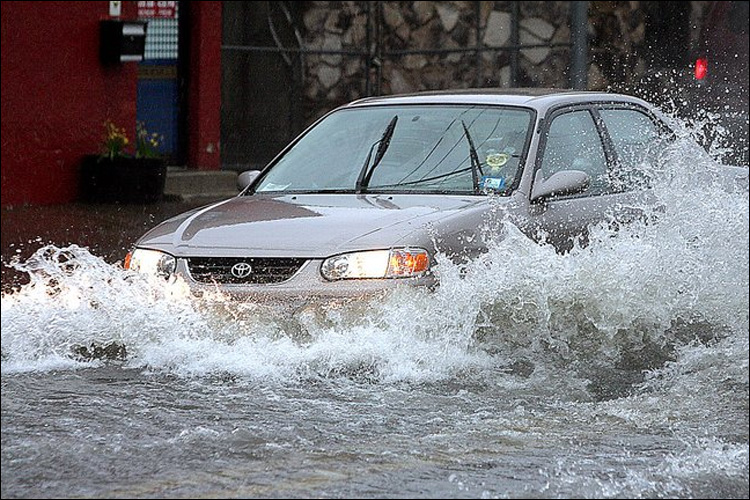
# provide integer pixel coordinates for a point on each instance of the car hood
(310, 226)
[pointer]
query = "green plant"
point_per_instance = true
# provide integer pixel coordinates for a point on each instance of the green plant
(146, 144)
(116, 142)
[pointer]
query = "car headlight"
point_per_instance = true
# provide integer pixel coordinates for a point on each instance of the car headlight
(394, 263)
(151, 262)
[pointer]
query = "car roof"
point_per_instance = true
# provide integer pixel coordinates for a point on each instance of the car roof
(537, 98)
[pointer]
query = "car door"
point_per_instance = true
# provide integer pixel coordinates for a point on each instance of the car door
(576, 138)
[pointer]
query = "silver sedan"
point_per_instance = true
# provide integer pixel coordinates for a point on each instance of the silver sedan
(366, 197)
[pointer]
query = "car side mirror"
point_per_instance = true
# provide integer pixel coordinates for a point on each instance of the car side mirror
(246, 178)
(560, 183)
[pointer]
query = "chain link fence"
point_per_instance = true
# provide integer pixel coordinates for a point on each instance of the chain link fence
(287, 63)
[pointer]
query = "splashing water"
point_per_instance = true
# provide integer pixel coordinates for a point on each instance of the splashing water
(616, 369)
(627, 300)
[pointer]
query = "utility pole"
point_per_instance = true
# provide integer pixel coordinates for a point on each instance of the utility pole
(579, 45)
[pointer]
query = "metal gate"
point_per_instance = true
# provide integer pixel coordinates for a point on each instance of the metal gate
(269, 96)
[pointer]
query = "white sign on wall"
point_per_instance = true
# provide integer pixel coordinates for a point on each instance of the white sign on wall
(115, 9)
(157, 10)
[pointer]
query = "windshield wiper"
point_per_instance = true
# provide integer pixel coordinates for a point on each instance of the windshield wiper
(476, 167)
(385, 140)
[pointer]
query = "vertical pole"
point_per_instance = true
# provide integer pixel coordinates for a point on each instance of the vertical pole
(579, 45)
(378, 61)
(478, 42)
(514, 41)
(183, 69)
(368, 51)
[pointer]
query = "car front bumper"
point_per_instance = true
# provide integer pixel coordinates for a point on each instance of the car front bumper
(306, 286)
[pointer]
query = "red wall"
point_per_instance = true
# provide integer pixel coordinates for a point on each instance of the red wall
(204, 101)
(56, 96)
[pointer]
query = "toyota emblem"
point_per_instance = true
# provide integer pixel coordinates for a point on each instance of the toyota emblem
(241, 270)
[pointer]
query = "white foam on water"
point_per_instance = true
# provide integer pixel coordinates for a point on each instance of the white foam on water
(76, 299)
(626, 358)
(704, 469)
(630, 300)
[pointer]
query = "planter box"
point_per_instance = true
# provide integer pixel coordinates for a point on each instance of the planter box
(122, 180)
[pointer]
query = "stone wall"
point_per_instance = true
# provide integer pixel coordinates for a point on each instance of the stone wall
(332, 79)
(425, 45)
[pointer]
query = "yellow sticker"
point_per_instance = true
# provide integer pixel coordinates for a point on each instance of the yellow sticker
(497, 160)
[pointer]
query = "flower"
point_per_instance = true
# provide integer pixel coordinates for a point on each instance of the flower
(146, 144)
(116, 142)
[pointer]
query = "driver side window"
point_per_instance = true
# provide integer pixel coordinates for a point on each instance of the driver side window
(573, 143)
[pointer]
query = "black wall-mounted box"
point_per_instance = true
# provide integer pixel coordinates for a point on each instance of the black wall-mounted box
(121, 41)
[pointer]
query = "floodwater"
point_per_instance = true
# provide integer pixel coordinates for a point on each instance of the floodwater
(618, 370)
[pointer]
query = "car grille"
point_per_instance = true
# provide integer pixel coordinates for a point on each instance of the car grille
(262, 270)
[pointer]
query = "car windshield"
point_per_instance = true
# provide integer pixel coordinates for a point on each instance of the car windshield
(405, 149)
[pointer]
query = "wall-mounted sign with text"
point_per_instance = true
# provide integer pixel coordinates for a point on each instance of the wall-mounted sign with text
(157, 10)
